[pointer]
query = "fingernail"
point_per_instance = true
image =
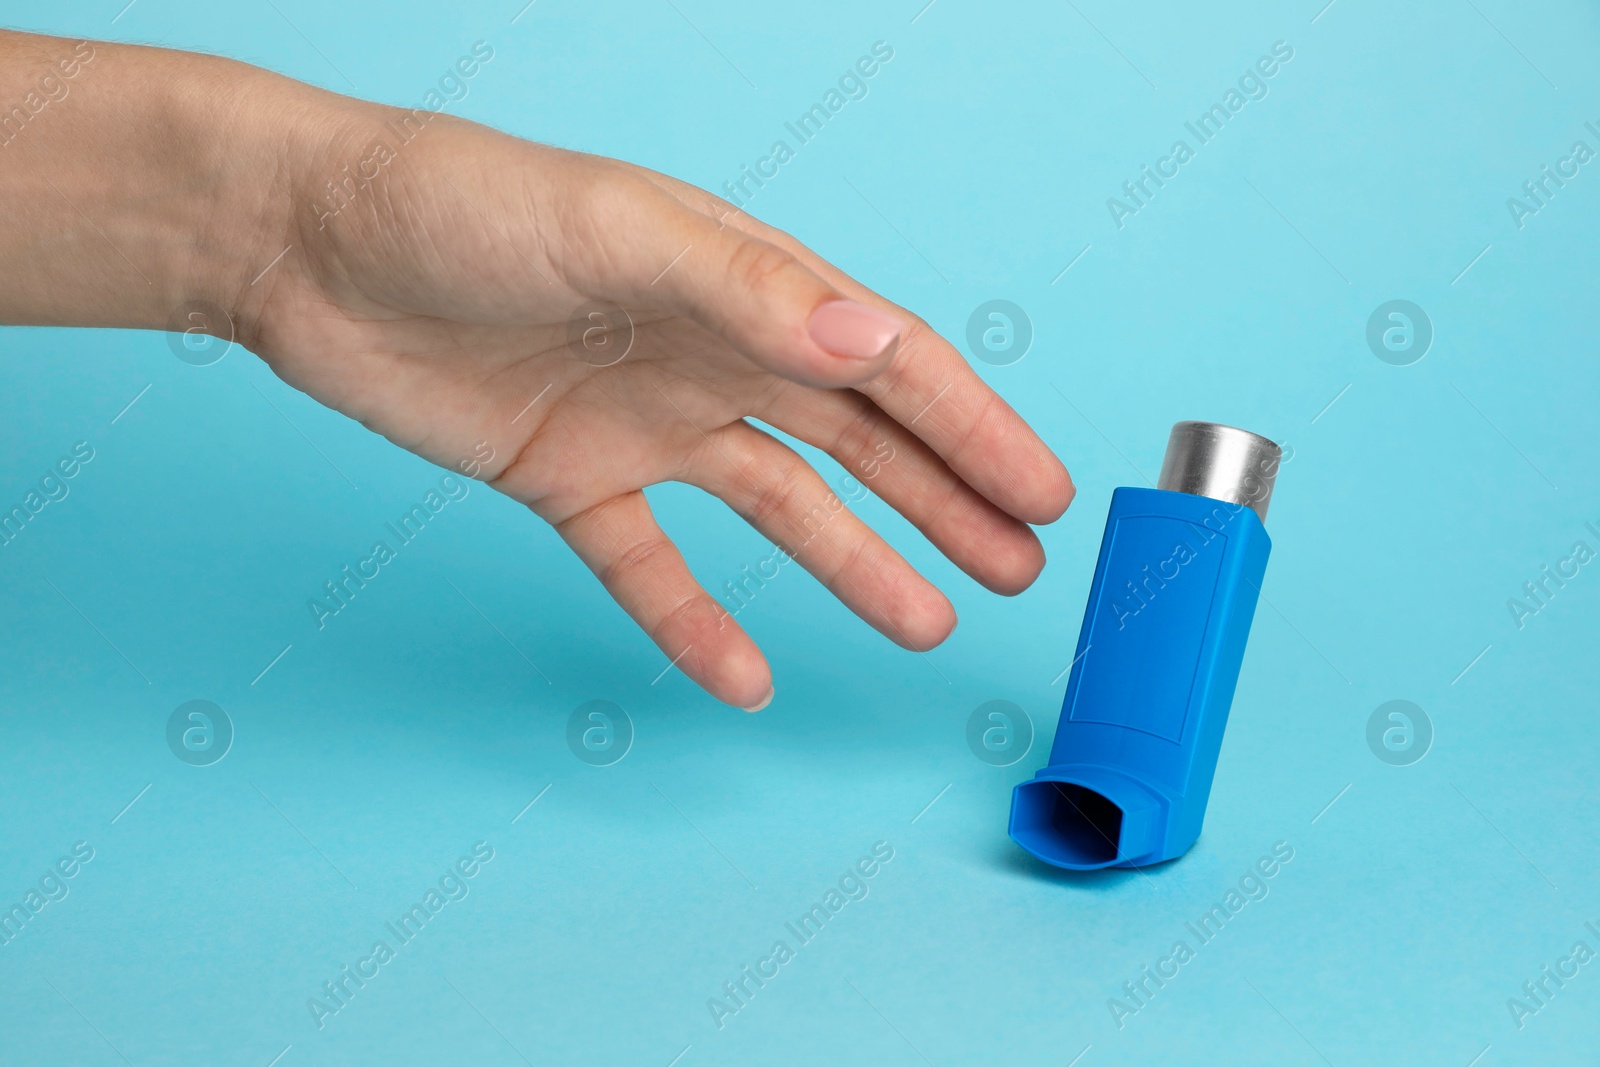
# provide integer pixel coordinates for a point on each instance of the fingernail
(771, 692)
(854, 331)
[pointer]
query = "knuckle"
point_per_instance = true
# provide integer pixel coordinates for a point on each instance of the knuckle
(976, 426)
(757, 266)
(608, 191)
(912, 340)
(855, 439)
(640, 555)
(689, 612)
(773, 497)
(916, 329)
(847, 564)
(949, 499)
(595, 215)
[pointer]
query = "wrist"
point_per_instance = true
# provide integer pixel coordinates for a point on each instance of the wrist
(241, 139)
(152, 180)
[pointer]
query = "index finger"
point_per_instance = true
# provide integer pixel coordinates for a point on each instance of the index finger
(930, 389)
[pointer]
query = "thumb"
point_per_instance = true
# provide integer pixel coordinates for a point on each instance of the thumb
(759, 298)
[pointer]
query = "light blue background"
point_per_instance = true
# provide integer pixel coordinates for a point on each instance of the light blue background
(374, 753)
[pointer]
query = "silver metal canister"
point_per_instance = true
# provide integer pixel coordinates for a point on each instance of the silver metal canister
(1221, 462)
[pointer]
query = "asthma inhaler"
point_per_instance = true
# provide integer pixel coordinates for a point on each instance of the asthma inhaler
(1158, 656)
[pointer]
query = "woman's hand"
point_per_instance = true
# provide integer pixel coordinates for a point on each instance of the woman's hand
(467, 294)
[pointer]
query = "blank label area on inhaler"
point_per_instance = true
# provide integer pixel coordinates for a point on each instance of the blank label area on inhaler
(1160, 576)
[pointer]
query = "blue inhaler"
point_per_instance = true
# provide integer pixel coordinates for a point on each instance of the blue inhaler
(1157, 659)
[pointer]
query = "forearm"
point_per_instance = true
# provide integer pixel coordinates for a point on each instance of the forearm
(136, 180)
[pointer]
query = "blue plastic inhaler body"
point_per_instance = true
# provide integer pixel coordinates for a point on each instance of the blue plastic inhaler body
(1157, 659)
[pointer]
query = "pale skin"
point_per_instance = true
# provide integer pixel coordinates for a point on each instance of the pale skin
(433, 306)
